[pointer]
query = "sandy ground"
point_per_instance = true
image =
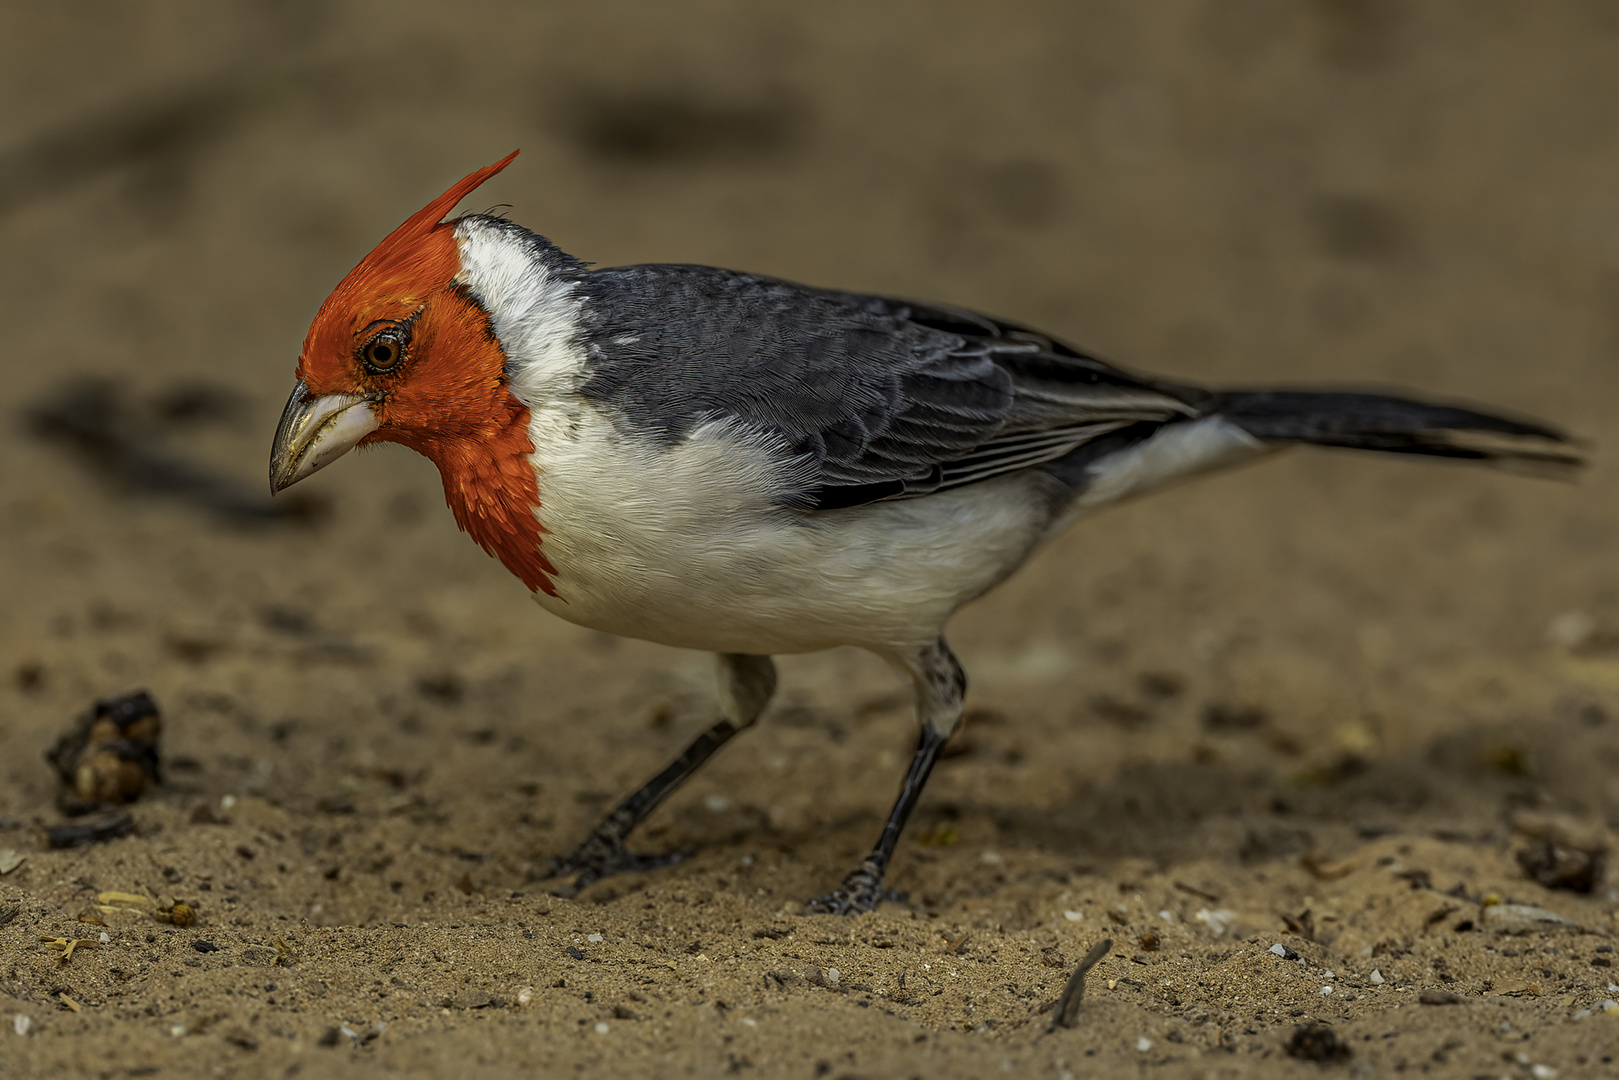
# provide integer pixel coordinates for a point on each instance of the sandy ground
(1320, 704)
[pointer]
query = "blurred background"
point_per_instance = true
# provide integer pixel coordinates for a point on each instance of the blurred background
(1361, 192)
(1209, 697)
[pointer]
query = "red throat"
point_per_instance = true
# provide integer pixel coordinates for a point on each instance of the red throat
(491, 487)
(448, 398)
(453, 406)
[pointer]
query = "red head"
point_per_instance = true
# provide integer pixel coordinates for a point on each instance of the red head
(400, 353)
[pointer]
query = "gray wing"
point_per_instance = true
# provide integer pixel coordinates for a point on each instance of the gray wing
(889, 399)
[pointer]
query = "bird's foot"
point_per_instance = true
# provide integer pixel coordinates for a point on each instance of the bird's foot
(861, 891)
(598, 857)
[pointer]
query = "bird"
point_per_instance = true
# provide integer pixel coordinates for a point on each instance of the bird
(729, 462)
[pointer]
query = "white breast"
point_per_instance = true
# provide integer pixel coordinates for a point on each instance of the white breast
(690, 545)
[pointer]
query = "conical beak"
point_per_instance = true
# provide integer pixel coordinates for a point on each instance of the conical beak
(316, 431)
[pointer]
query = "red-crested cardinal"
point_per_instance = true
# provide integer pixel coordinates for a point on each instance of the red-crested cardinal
(716, 460)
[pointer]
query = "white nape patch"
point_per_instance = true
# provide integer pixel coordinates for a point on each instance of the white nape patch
(533, 312)
(1176, 451)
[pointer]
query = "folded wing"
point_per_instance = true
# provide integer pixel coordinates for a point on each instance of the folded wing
(886, 399)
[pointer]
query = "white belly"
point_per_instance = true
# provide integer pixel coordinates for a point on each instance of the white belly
(689, 546)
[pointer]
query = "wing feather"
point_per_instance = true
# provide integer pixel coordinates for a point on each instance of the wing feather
(887, 399)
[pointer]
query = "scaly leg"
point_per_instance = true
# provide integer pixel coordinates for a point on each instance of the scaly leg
(746, 684)
(940, 688)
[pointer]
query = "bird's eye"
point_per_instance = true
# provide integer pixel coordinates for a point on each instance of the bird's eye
(383, 352)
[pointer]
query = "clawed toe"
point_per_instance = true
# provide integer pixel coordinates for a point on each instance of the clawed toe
(860, 892)
(596, 859)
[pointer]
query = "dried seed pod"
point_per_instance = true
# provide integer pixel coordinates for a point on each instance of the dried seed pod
(111, 755)
(111, 772)
(179, 913)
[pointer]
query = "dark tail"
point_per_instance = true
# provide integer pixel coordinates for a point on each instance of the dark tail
(1398, 425)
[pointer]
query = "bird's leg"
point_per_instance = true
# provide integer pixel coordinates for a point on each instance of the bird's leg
(603, 851)
(940, 688)
(745, 684)
(862, 889)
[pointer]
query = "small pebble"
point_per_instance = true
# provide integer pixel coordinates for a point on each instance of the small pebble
(1073, 916)
(1571, 629)
(1325, 990)
(105, 938)
(601, 1027)
(1523, 919)
(1542, 1072)
(21, 1023)
(177, 1031)
(832, 976)
(1167, 916)
(595, 938)
(1284, 952)
(1377, 978)
(525, 995)
(1143, 1044)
